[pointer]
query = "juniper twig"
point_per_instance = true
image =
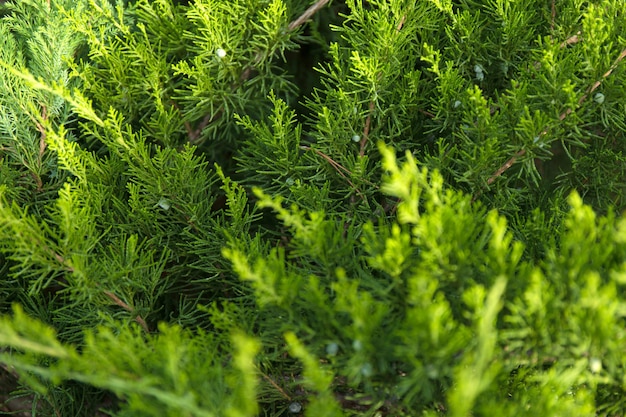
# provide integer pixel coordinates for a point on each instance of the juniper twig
(307, 14)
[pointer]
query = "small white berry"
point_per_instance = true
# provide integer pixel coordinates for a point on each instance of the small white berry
(367, 370)
(431, 371)
(164, 204)
(505, 68)
(220, 53)
(332, 349)
(595, 365)
(356, 138)
(598, 98)
(457, 104)
(295, 407)
(479, 70)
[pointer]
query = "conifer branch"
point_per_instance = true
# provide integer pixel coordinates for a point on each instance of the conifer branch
(195, 134)
(597, 84)
(508, 164)
(293, 25)
(368, 119)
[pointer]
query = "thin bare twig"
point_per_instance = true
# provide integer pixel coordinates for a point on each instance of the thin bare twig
(571, 40)
(401, 23)
(336, 165)
(426, 113)
(508, 164)
(307, 14)
(278, 388)
(126, 307)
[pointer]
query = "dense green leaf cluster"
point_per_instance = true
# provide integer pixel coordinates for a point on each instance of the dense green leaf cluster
(421, 223)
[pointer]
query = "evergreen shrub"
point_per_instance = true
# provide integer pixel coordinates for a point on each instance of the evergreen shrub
(288, 207)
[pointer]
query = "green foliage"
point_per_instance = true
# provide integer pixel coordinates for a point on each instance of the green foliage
(434, 229)
(184, 369)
